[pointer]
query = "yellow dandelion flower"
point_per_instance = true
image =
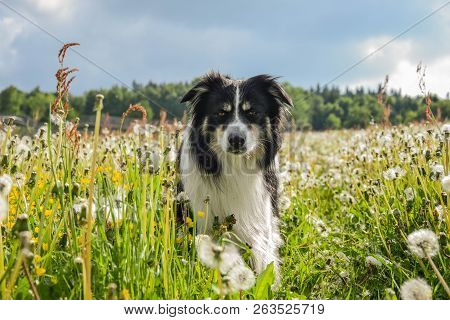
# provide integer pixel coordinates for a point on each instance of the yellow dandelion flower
(36, 229)
(45, 246)
(189, 222)
(37, 258)
(40, 271)
(200, 214)
(116, 176)
(48, 213)
(125, 294)
(50, 201)
(84, 181)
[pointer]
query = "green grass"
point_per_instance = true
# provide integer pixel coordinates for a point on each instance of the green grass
(342, 210)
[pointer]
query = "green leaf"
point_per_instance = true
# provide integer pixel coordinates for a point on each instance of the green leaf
(264, 283)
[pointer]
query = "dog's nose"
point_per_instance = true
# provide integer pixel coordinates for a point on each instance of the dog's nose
(236, 141)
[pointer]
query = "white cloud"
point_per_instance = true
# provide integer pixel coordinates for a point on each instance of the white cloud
(58, 9)
(399, 59)
(10, 29)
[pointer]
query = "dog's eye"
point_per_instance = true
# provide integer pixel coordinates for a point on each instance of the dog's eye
(251, 113)
(221, 113)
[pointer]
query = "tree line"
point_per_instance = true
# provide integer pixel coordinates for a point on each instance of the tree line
(316, 108)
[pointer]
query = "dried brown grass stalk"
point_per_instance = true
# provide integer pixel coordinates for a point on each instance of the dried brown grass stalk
(131, 108)
(382, 101)
(63, 82)
(421, 72)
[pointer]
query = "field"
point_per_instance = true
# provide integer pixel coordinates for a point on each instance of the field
(350, 200)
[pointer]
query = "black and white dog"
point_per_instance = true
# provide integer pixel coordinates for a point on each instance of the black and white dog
(229, 155)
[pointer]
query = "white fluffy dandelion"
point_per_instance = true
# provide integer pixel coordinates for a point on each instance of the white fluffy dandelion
(5, 185)
(416, 289)
(446, 128)
(446, 184)
(409, 194)
(240, 278)
(285, 203)
(208, 252)
(229, 258)
(224, 257)
(423, 242)
(3, 208)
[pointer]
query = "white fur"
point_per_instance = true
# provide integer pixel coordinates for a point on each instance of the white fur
(240, 191)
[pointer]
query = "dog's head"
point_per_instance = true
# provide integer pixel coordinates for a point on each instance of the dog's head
(238, 117)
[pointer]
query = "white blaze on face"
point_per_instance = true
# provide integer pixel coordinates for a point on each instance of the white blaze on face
(238, 125)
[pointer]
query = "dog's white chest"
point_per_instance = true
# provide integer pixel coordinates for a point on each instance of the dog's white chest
(235, 192)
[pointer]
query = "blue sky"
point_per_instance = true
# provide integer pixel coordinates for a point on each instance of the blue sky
(304, 42)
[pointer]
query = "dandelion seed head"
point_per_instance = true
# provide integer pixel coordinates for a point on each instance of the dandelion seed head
(5, 185)
(409, 194)
(285, 203)
(229, 258)
(3, 209)
(446, 128)
(240, 278)
(446, 184)
(423, 242)
(415, 289)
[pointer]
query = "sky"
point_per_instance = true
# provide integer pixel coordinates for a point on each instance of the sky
(303, 42)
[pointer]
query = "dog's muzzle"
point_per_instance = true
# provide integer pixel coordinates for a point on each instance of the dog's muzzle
(236, 142)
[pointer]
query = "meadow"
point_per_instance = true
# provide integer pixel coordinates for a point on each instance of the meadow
(350, 200)
(91, 214)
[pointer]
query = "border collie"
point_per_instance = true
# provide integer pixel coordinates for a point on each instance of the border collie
(229, 156)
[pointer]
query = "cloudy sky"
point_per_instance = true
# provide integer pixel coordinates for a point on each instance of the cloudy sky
(305, 42)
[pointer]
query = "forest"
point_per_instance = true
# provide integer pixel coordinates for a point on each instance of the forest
(317, 108)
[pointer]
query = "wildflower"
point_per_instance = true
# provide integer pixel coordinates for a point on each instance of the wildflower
(45, 246)
(182, 197)
(285, 203)
(172, 155)
(446, 129)
(440, 212)
(446, 183)
(3, 208)
(78, 260)
(229, 258)
(390, 174)
(189, 222)
(423, 242)
(224, 257)
(113, 213)
(48, 213)
(40, 271)
(415, 289)
(200, 214)
(125, 294)
(80, 207)
(5, 185)
(409, 194)
(437, 170)
(240, 278)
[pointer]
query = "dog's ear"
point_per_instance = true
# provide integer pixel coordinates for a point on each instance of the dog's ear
(270, 84)
(206, 84)
(280, 94)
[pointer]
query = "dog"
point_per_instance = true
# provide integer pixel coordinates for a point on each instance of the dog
(228, 159)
